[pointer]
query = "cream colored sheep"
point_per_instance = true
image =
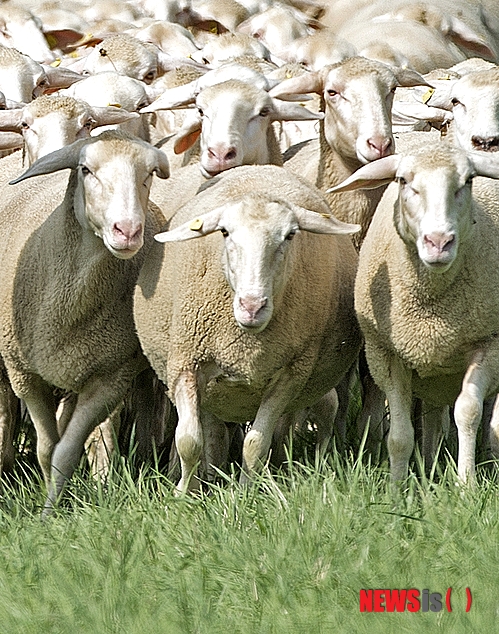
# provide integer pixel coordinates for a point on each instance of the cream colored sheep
(66, 283)
(426, 291)
(51, 121)
(254, 322)
(233, 120)
(22, 79)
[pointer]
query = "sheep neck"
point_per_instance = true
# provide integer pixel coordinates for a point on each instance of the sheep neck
(354, 207)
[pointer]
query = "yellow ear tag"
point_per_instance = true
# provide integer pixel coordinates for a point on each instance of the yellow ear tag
(326, 215)
(56, 63)
(115, 105)
(427, 96)
(196, 224)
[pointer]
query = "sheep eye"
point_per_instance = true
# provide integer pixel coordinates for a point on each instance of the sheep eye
(401, 180)
(84, 170)
(205, 61)
(88, 124)
(332, 92)
(264, 112)
(224, 232)
(291, 235)
(200, 112)
(142, 105)
(150, 76)
(24, 125)
(455, 101)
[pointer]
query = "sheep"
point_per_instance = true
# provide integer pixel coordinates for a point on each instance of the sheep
(110, 88)
(426, 290)
(67, 278)
(233, 119)
(22, 79)
(21, 30)
(280, 339)
(355, 130)
(127, 55)
(228, 46)
(53, 121)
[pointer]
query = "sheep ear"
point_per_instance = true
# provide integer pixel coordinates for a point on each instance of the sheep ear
(322, 223)
(60, 77)
(187, 135)
(285, 111)
(196, 228)
(406, 112)
(178, 97)
(308, 82)
(162, 170)
(407, 77)
(485, 164)
(11, 141)
(10, 120)
(462, 35)
(441, 94)
(65, 158)
(110, 115)
(370, 176)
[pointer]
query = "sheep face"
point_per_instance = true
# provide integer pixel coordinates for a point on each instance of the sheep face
(261, 244)
(357, 115)
(111, 177)
(235, 122)
(474, 100)
(46, 134)
(115, 208)
(434, 211)
(21, 78)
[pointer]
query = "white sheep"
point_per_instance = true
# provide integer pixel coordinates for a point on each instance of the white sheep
(251, 323)
(426, 291)
(112, 89)
(21, 30)
(67, 278)
(22, 79)
(233, 120)
(52, 121)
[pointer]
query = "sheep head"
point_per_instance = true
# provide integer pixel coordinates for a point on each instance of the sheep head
(113, 174)
(433, 213)
(258, 233)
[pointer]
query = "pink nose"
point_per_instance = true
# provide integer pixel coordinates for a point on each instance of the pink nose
(222, 156)
(380, 146)
(252, 305)
(127, 231)
(439, 242)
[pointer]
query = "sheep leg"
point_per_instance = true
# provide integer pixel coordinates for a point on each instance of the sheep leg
(99, 446)
(494, 430)
(398, 389)
(40, 401)
(94, 404)
(189, 434)
(435, 426)
(216, 445)
(468, 414)
(323, 414)
(8, 412)
(258, 439)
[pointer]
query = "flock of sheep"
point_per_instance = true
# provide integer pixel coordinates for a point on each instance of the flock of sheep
(247, 285)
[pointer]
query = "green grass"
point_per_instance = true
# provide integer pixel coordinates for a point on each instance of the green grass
(287, 555)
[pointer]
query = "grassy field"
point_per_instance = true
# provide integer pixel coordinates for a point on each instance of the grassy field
(288, 555)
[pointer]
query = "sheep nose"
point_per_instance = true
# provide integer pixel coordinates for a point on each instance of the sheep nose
(222, 154)
(127, 230)
(252, 305)
(380, 146)
(485, 144)
(439, 242)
